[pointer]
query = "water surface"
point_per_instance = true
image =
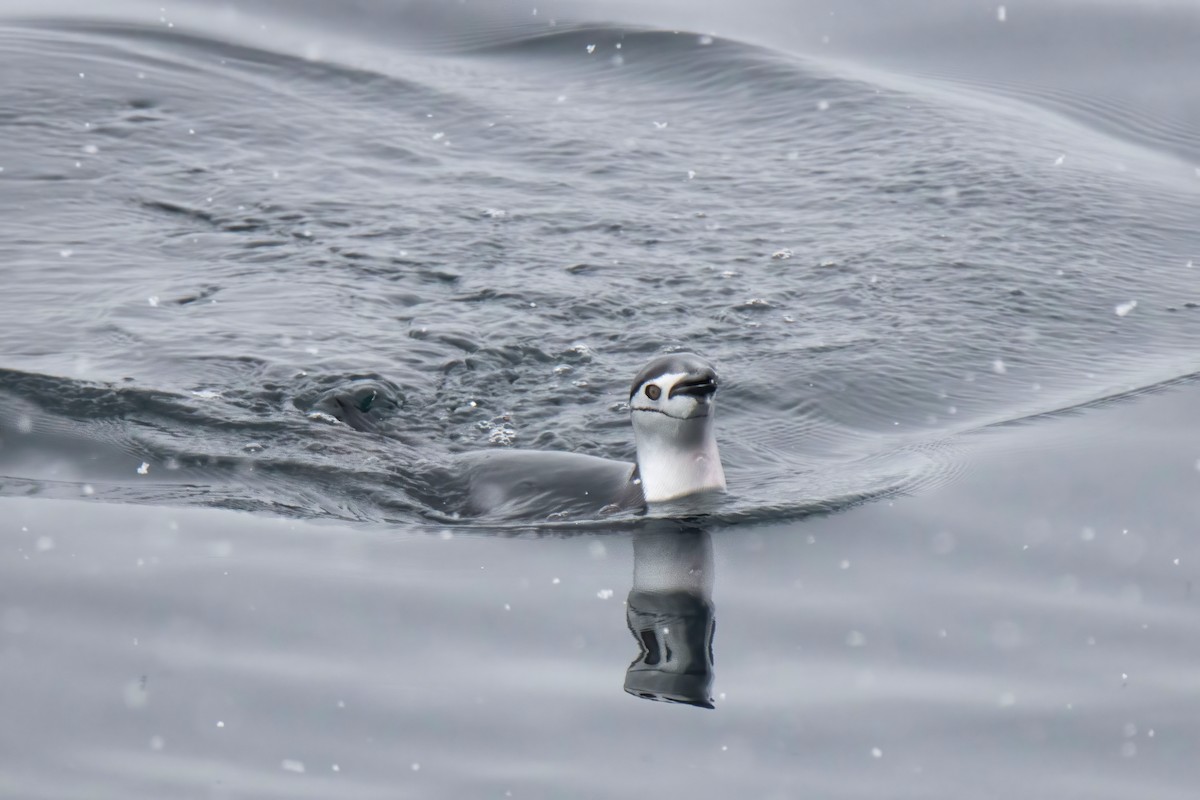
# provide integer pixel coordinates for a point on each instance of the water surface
(278, 260)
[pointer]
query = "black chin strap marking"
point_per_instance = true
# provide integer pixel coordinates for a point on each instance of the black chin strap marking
(672, 416)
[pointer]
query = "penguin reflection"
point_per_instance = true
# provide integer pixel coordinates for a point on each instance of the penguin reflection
(670, 614)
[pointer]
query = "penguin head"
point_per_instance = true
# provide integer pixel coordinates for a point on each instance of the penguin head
(680, 386)
(671, 402)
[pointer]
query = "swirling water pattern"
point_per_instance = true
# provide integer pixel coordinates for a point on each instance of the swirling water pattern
(485, 242)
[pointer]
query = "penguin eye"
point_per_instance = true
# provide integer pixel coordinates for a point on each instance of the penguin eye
(653, 392)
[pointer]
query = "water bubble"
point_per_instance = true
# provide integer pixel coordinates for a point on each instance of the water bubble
(502, 435)
(1058, 161)
(1123, 309)
(822, 105)
(876, 752)
(999, 367)
(292, 765)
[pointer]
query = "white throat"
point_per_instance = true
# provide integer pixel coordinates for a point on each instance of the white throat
(676, 457)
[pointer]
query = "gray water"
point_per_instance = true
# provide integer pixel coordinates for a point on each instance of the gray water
(290, 258)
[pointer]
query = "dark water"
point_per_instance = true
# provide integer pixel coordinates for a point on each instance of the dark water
(942, 256)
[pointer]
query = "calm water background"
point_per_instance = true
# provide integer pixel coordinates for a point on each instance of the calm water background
(945, 257)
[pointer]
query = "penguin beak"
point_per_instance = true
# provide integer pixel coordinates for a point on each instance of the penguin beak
(698, 386)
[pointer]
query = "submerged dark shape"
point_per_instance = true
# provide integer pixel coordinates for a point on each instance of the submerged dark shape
(365, 404)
